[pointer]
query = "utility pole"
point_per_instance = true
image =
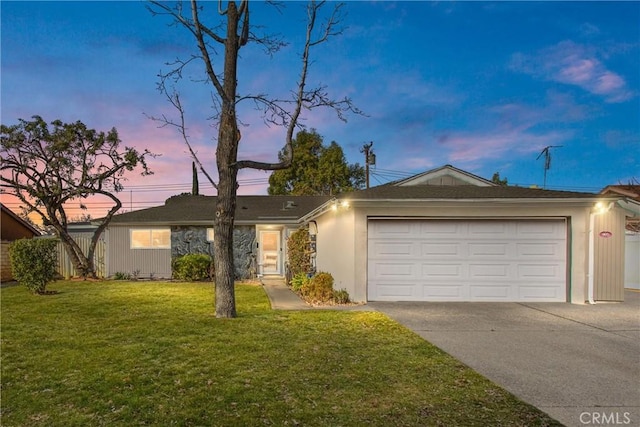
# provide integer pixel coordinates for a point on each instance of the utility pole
(369, 159)
(547, 161)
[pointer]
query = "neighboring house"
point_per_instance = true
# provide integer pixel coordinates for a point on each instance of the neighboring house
(144, 242)
(12, 228)
(631, 203)
(442, 235)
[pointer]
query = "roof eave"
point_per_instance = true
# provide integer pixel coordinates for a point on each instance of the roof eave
(488, 199)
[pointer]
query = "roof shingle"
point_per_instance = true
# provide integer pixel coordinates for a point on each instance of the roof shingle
(421, 192)
(189, 209)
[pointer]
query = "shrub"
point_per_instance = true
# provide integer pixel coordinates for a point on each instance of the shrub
(121, 276)
(192, 267)
(34, 262)
(341, 297)
(319, 288)
(299, 281)
(299, 252)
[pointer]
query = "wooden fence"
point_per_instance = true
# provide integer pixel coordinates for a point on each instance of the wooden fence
(66, 268)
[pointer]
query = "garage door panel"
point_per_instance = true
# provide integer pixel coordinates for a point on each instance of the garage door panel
(430, 271)
(443, 291)
(494, 271)
(396, 270)
(554, 249)
(444, 229)
(540, 230)
(482, 228)
(440, 249)
(488, 249)
(391, 249)
(393, 230)
(467, 260)
(396, 292)
(539, 271)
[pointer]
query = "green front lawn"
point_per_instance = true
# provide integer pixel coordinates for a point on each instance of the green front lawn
(152, 353)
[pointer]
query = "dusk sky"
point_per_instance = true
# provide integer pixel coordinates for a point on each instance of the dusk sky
(483, 86)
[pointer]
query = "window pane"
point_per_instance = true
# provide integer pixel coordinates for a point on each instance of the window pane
(151, 238)
(161, 239)
(270, 241)
(140, 239)
(210, 234)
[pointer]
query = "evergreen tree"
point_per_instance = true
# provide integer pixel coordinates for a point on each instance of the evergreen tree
(316, 169)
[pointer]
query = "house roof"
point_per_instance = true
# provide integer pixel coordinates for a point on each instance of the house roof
(9, 230)
(189, 209)
(444, 175)
(631, 191)
(436, 192)
(436, 185)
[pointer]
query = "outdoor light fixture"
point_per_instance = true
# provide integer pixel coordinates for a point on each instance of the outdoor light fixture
(343, 205)
(601, 208)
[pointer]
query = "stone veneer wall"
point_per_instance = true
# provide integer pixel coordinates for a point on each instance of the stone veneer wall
(189, 240)
(193, 240)
(245, 252)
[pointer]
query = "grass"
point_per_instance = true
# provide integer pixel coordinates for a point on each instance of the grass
(152, 353)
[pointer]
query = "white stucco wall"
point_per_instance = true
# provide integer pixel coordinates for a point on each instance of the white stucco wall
(342, 235)
(335, 243)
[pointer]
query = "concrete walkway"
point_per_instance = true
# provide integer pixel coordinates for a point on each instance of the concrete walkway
(282, 297)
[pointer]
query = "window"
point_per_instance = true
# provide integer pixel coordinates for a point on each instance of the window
(151, 238)
(209, 234)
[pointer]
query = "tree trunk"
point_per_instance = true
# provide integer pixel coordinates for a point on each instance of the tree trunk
(226, 156)
(84, 265)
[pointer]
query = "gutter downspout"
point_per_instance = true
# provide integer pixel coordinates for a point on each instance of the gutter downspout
(592, 257)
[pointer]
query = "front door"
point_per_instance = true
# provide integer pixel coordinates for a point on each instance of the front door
(270, 252)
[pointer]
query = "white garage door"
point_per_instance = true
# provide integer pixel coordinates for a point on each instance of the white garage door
(467, 260)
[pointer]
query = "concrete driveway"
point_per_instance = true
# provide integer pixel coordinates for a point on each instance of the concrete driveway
(578, 363)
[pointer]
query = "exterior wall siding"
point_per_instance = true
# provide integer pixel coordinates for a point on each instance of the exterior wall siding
(65, 266)
(137, 262)
(609, 256)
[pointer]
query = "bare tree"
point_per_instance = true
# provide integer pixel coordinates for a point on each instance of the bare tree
(232, 31)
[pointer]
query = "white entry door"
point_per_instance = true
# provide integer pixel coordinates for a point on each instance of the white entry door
(270, 252)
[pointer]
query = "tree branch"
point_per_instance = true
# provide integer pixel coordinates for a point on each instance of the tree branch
(174, 99)
(303, 98)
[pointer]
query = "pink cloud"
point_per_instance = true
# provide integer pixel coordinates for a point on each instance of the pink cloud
(577, 71)
(574, 64)
(469, 147)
